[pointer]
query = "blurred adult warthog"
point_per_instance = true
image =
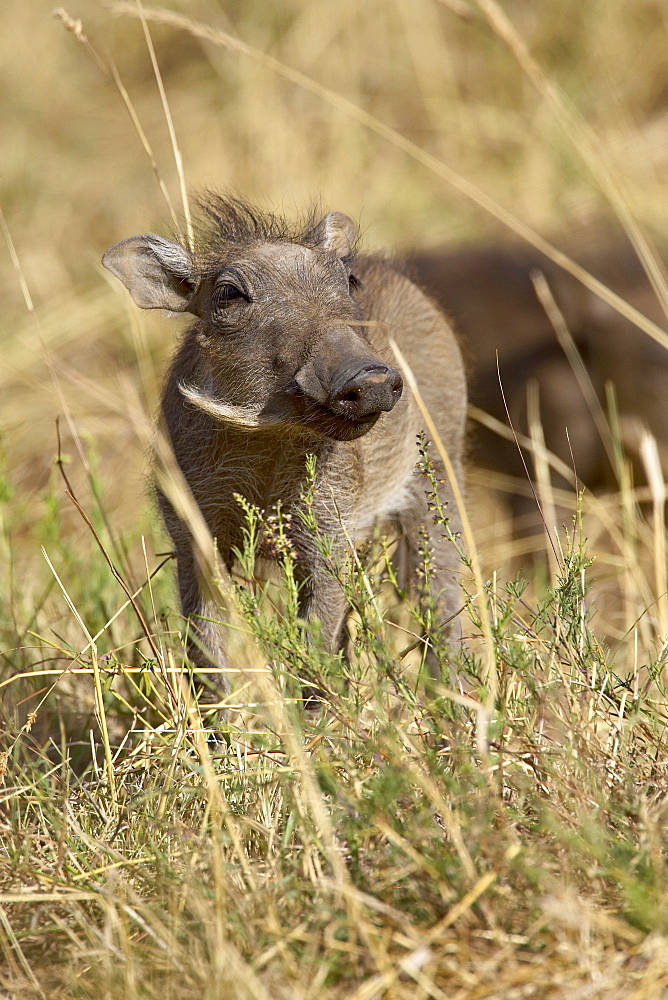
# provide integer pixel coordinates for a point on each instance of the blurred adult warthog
(288, 356)
(490, 295)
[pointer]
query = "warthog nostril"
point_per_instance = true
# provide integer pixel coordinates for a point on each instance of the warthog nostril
(370, 390)
(396, 385)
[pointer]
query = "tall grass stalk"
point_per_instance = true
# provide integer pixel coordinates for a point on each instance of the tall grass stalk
(584, 139)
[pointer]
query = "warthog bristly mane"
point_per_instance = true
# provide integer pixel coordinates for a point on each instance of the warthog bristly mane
(223, 221)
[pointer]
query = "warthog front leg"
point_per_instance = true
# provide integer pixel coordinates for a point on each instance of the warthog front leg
(205, 646)
(444, 568)
(322, 599)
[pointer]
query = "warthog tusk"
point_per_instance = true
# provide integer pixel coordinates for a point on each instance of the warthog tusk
(250, 418)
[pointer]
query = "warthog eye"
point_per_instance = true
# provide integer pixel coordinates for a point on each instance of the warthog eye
(225, 293)
(354, 283)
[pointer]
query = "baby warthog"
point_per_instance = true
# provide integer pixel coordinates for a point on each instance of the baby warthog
(288, 356)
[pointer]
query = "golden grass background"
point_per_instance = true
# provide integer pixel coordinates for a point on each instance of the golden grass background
(80, 364)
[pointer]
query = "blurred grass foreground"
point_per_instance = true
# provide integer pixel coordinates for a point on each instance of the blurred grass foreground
(499, 835)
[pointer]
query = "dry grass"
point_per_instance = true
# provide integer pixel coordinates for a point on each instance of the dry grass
(477, 843)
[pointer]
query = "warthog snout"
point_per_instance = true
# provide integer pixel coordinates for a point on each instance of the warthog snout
(361, 392)
(344, 387)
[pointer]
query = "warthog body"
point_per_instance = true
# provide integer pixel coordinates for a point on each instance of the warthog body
(289, 356)
(490, 295)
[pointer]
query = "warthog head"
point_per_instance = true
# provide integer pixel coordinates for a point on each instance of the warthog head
(278, 331)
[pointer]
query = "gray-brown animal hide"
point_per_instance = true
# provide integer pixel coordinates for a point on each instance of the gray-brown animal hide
(289, 356)
(489, 293)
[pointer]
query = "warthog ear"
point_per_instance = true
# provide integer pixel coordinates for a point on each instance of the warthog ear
(336, 232)
(156, 272)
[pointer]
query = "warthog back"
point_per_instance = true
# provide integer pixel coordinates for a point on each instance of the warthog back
(289, 356)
